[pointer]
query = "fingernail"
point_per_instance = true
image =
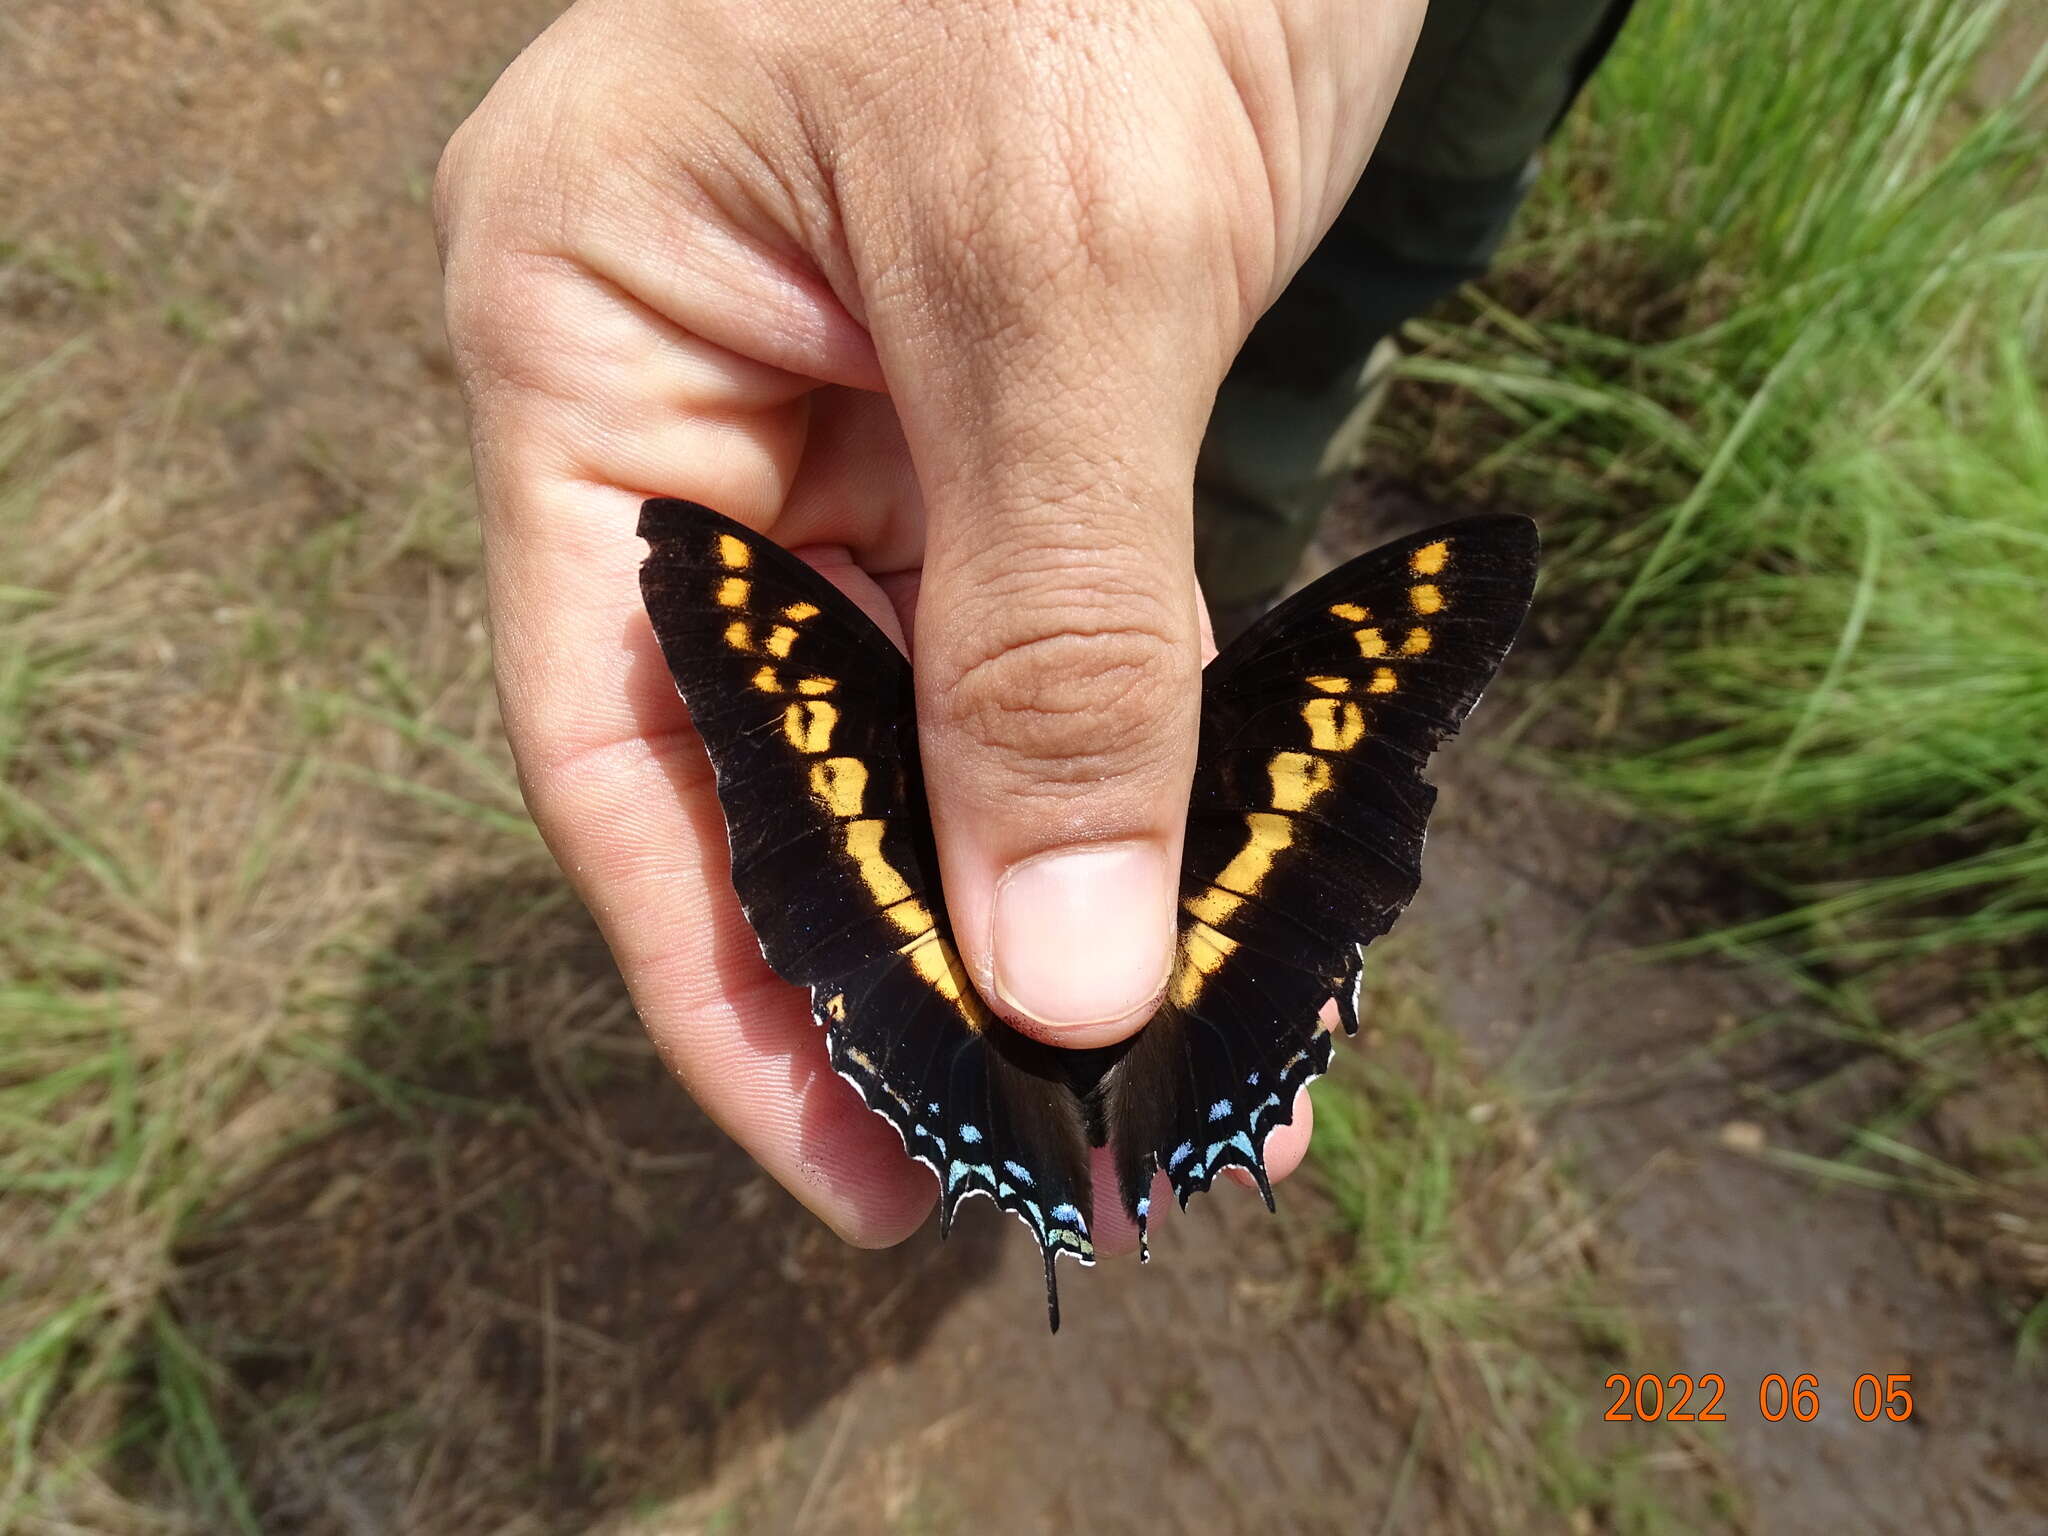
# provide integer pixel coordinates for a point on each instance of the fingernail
(1083, 935)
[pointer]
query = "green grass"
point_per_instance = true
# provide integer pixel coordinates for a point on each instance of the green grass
(1811, 521)
(1774, 359)
(1455, 1233)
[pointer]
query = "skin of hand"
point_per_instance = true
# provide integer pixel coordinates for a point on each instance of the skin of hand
(938, 294)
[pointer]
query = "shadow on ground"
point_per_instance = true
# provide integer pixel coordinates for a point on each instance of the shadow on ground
(522, 1279)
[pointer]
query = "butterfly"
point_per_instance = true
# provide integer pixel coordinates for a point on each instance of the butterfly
(1304, 843)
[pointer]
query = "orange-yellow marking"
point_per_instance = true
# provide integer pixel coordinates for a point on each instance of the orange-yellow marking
(734, 553)
(929, 955)
(1329, 684)
(1416, 643)
(1265, 835)
(1371, 642)
(911, 916)
(841, 783)
(780, 639)
(835, 1006)
(766, 680)
(817, 685)
(864, 847)
(933, 959)
(1334, 725)
(808, 725)
(1383, 681)
(1297, 778)
(732, 592)
(1351, 612)
(739, 635)
(796, 613)
(1426, 598)
(1202, 953)
(1429, 559)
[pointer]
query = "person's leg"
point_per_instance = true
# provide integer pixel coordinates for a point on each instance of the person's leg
(1489, 81)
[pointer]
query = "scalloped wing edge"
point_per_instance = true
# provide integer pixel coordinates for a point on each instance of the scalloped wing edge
(1236, 1150)
(1065, 1235)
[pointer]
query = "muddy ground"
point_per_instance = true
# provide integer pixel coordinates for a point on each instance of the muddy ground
(529, 1291)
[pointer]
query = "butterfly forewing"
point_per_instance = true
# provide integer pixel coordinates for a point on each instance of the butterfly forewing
(1305, 833)
(806, 711)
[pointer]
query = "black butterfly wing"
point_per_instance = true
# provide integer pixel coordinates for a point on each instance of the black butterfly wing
(1304, 837)
(807, 713)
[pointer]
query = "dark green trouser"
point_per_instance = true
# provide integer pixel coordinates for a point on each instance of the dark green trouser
(1490, 79)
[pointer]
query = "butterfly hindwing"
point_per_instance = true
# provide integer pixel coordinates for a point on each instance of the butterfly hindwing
(1304, 837)
(806, 711)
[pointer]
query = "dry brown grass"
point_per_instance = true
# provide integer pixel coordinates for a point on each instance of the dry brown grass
(244, 719)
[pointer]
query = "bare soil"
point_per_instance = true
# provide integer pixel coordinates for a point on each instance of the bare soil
(514, 1283)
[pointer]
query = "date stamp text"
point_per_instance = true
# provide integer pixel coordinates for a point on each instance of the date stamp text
(1682, 1399)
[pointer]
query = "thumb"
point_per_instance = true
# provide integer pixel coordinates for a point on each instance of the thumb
(1057, 629)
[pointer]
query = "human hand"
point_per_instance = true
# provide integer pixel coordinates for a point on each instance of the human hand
(941, 295)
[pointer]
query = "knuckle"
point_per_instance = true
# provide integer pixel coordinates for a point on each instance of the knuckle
(503, 313)
(451, 172)
(1064, 697)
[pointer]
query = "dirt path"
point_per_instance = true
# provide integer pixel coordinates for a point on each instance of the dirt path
(1743, 1269)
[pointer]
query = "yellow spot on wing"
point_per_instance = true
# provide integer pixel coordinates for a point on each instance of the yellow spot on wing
(835, 1006)
(780, 639)
(1297, 778)
(808, 725)
(1371, 642)
(933, 959)
(842, 784)
(815, 685)
(1429, 559)
(734, 553)
(1416, 643)
(864, 847)
(1334, 725)
(1329, 684)
(1351, 612)
(796, 613)
(733, 593)
(739, 635)
(766, 680)
(1202, 953)
(1426, 598)
(1214, 905)
(911, 916)
(1265, 835)
(1383, 681)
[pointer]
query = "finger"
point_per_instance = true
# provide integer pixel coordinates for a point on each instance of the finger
(1053, 393)
(1286, 1145)
(615, 778)
(1116, 1234)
